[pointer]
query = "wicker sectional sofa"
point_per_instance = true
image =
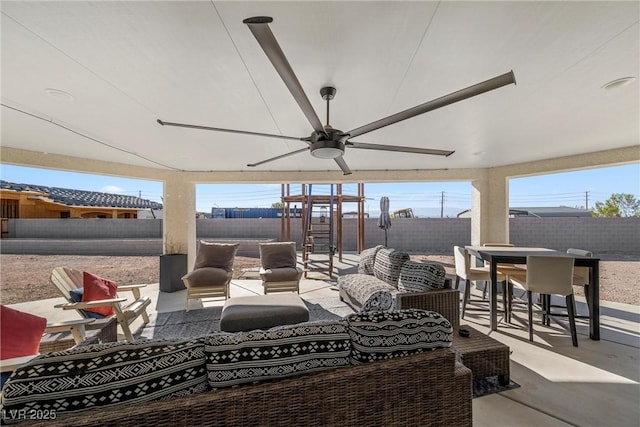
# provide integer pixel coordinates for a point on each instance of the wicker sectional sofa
(387, 279)
(324, 373)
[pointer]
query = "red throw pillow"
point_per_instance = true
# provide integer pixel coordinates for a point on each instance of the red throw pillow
(97, 288)
(20, 333)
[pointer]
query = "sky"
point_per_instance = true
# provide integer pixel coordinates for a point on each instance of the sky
(573, 189)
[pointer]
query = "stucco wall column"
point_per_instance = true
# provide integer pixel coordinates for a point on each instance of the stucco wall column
(179, 223)
(490, 208)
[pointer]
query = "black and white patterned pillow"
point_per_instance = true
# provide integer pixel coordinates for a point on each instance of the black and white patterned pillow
(246, 357)
(367, 257)
(379, 300)
(421, 277)
(109, 374)
(387, 265)
(379, 335)
(372, 293)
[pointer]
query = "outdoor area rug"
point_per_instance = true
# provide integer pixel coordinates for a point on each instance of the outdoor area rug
(193, 323)
(483, 387)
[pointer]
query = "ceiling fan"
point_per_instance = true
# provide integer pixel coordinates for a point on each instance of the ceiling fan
(326, 142)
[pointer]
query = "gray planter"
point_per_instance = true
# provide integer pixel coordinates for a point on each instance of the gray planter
(172, 268)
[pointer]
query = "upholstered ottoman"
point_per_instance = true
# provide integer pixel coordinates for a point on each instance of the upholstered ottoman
(262, 312)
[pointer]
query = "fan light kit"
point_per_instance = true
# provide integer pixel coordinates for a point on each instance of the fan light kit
(326, 142)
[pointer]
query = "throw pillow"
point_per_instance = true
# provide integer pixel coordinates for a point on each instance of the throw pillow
(421, 277)
(106, 375)
(367, 257)
(76, 296)
(97, 288)
(247, 357)
(387, 265)
(378, 335)
(278, 255)
(20, 333)
(217, 255)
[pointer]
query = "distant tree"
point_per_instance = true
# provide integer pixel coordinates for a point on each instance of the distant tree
(277, 205)
(618, 205)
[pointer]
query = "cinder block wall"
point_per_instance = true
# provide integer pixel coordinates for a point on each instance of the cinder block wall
(85, 228)
(595, 234)
(418, 235)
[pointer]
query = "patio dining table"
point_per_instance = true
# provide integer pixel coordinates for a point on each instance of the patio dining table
(518, 255)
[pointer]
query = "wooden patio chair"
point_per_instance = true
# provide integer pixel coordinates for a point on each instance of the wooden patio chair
(66, 279)
(278, 267)
(212, 271)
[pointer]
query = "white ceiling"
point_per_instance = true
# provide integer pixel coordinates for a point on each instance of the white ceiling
(128, 64)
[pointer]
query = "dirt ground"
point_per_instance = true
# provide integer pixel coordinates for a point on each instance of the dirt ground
(26, 277)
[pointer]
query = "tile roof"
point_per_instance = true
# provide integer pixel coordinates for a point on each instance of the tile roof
(72, 197)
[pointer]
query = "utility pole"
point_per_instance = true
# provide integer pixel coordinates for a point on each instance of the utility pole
(586, 200)
(442, 204)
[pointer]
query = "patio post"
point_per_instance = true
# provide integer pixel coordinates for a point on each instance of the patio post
(490, 208)
(179, 217)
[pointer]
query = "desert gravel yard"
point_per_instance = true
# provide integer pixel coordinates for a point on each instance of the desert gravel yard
(26, 277)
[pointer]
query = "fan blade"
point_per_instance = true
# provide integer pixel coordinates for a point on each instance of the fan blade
(343, 165)
(270, 135)
(278, 157)
(443, 101)
(398, 148)
(259, 26)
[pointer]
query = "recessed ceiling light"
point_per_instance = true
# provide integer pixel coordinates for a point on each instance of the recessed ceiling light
(59, 94)
(619, 83)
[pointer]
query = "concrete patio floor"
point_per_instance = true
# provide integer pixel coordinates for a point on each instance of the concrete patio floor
(595, 384)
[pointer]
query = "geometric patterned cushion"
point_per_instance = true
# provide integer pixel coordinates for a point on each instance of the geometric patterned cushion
(367, 257)
(106, 375)
(387, 265)
(379, 335)
(371, 293)
(247, 357)
(379, 300)
(421, 277)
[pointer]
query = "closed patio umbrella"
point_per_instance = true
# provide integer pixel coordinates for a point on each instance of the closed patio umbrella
(384, 221)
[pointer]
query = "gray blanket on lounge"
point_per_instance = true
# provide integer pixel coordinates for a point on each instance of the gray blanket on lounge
(183, 324)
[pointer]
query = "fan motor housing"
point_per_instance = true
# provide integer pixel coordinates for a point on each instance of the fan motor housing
(323, 148)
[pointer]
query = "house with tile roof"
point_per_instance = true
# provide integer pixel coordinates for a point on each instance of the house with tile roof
(37, 201)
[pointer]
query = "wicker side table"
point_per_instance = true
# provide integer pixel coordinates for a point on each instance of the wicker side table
(482, 354)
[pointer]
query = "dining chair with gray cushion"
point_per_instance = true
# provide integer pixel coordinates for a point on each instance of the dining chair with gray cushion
(549, 275)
